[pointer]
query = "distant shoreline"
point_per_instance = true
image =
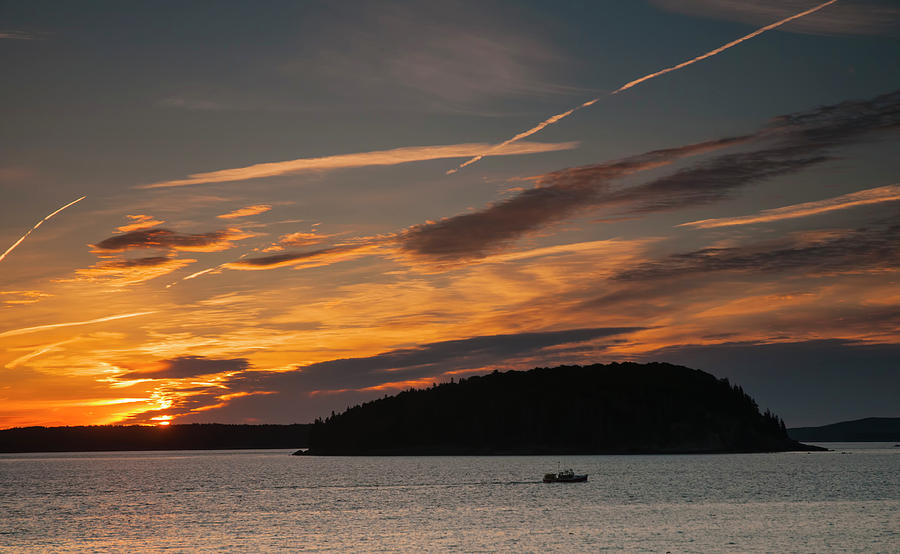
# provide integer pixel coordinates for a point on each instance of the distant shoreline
(870, 429)
(382, 454)
(142, 438)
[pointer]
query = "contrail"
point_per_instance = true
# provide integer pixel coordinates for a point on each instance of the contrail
(194, 275)
(42, 350)
(26, 330)
(889, 193)
(626, 86)
(18, 242)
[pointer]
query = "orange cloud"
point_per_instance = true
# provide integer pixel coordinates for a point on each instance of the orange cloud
(313, 258)
(362, 159)
(245, 212)
(133, 271)
(23, 296)
(165, 239)
(37, 328)
(889, 193)
(35, 353)
(297, 240)
(140, 222)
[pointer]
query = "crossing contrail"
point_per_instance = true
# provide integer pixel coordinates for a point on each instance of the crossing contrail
(25, 236)
(25, 330)
(626, 86)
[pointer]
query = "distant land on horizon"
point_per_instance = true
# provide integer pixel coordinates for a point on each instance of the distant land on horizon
(193, 436)
(870, 429)
(627, 408)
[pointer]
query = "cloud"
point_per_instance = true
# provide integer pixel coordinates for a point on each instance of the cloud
(458, 57)
(713, 180)
(858, 17)
(858, 251)
(298, 240)
(422, 361)
(188, 366)
(141, 221)
(877, 195)
(38, 328)
(312, 258)
(248, 211)
(362, 159)
(308, 391)
(38, 352)
(16, 35)
(459, 66)
(166, 239)
(22, 296)
(791, 143)
(131, 271)
(558, 195)
(554, 119)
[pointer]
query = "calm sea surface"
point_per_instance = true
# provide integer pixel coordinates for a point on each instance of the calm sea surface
(846, 500)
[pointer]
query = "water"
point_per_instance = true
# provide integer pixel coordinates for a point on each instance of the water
(263, 500)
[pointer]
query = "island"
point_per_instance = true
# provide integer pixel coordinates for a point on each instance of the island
(618, 408)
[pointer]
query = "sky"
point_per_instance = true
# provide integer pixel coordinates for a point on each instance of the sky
(247, 212)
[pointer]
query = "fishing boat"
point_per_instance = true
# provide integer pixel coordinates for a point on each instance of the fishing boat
(564, 476)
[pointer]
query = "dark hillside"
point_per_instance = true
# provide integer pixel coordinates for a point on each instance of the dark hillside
(616, 408)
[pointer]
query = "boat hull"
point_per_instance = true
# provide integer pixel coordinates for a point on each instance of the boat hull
(574, 479)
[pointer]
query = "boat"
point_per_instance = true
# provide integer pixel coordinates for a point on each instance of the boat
(564, 476)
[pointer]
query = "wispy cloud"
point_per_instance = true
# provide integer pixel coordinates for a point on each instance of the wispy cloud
(439, 357)
(859, 251)
(558, 196)
(37, 328)
(165, 239)
(246, 212)
(860, 17)
(312, 258)
(877, 195)
(553, 119)
(25, 236)
(131, 271)
(140, 221)
(373, 373)
(187, 366)
(298, 240)
(478, 234)
(22, 296)
(362, 159)
(38, 352)
(15, 35)
(789, 144)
